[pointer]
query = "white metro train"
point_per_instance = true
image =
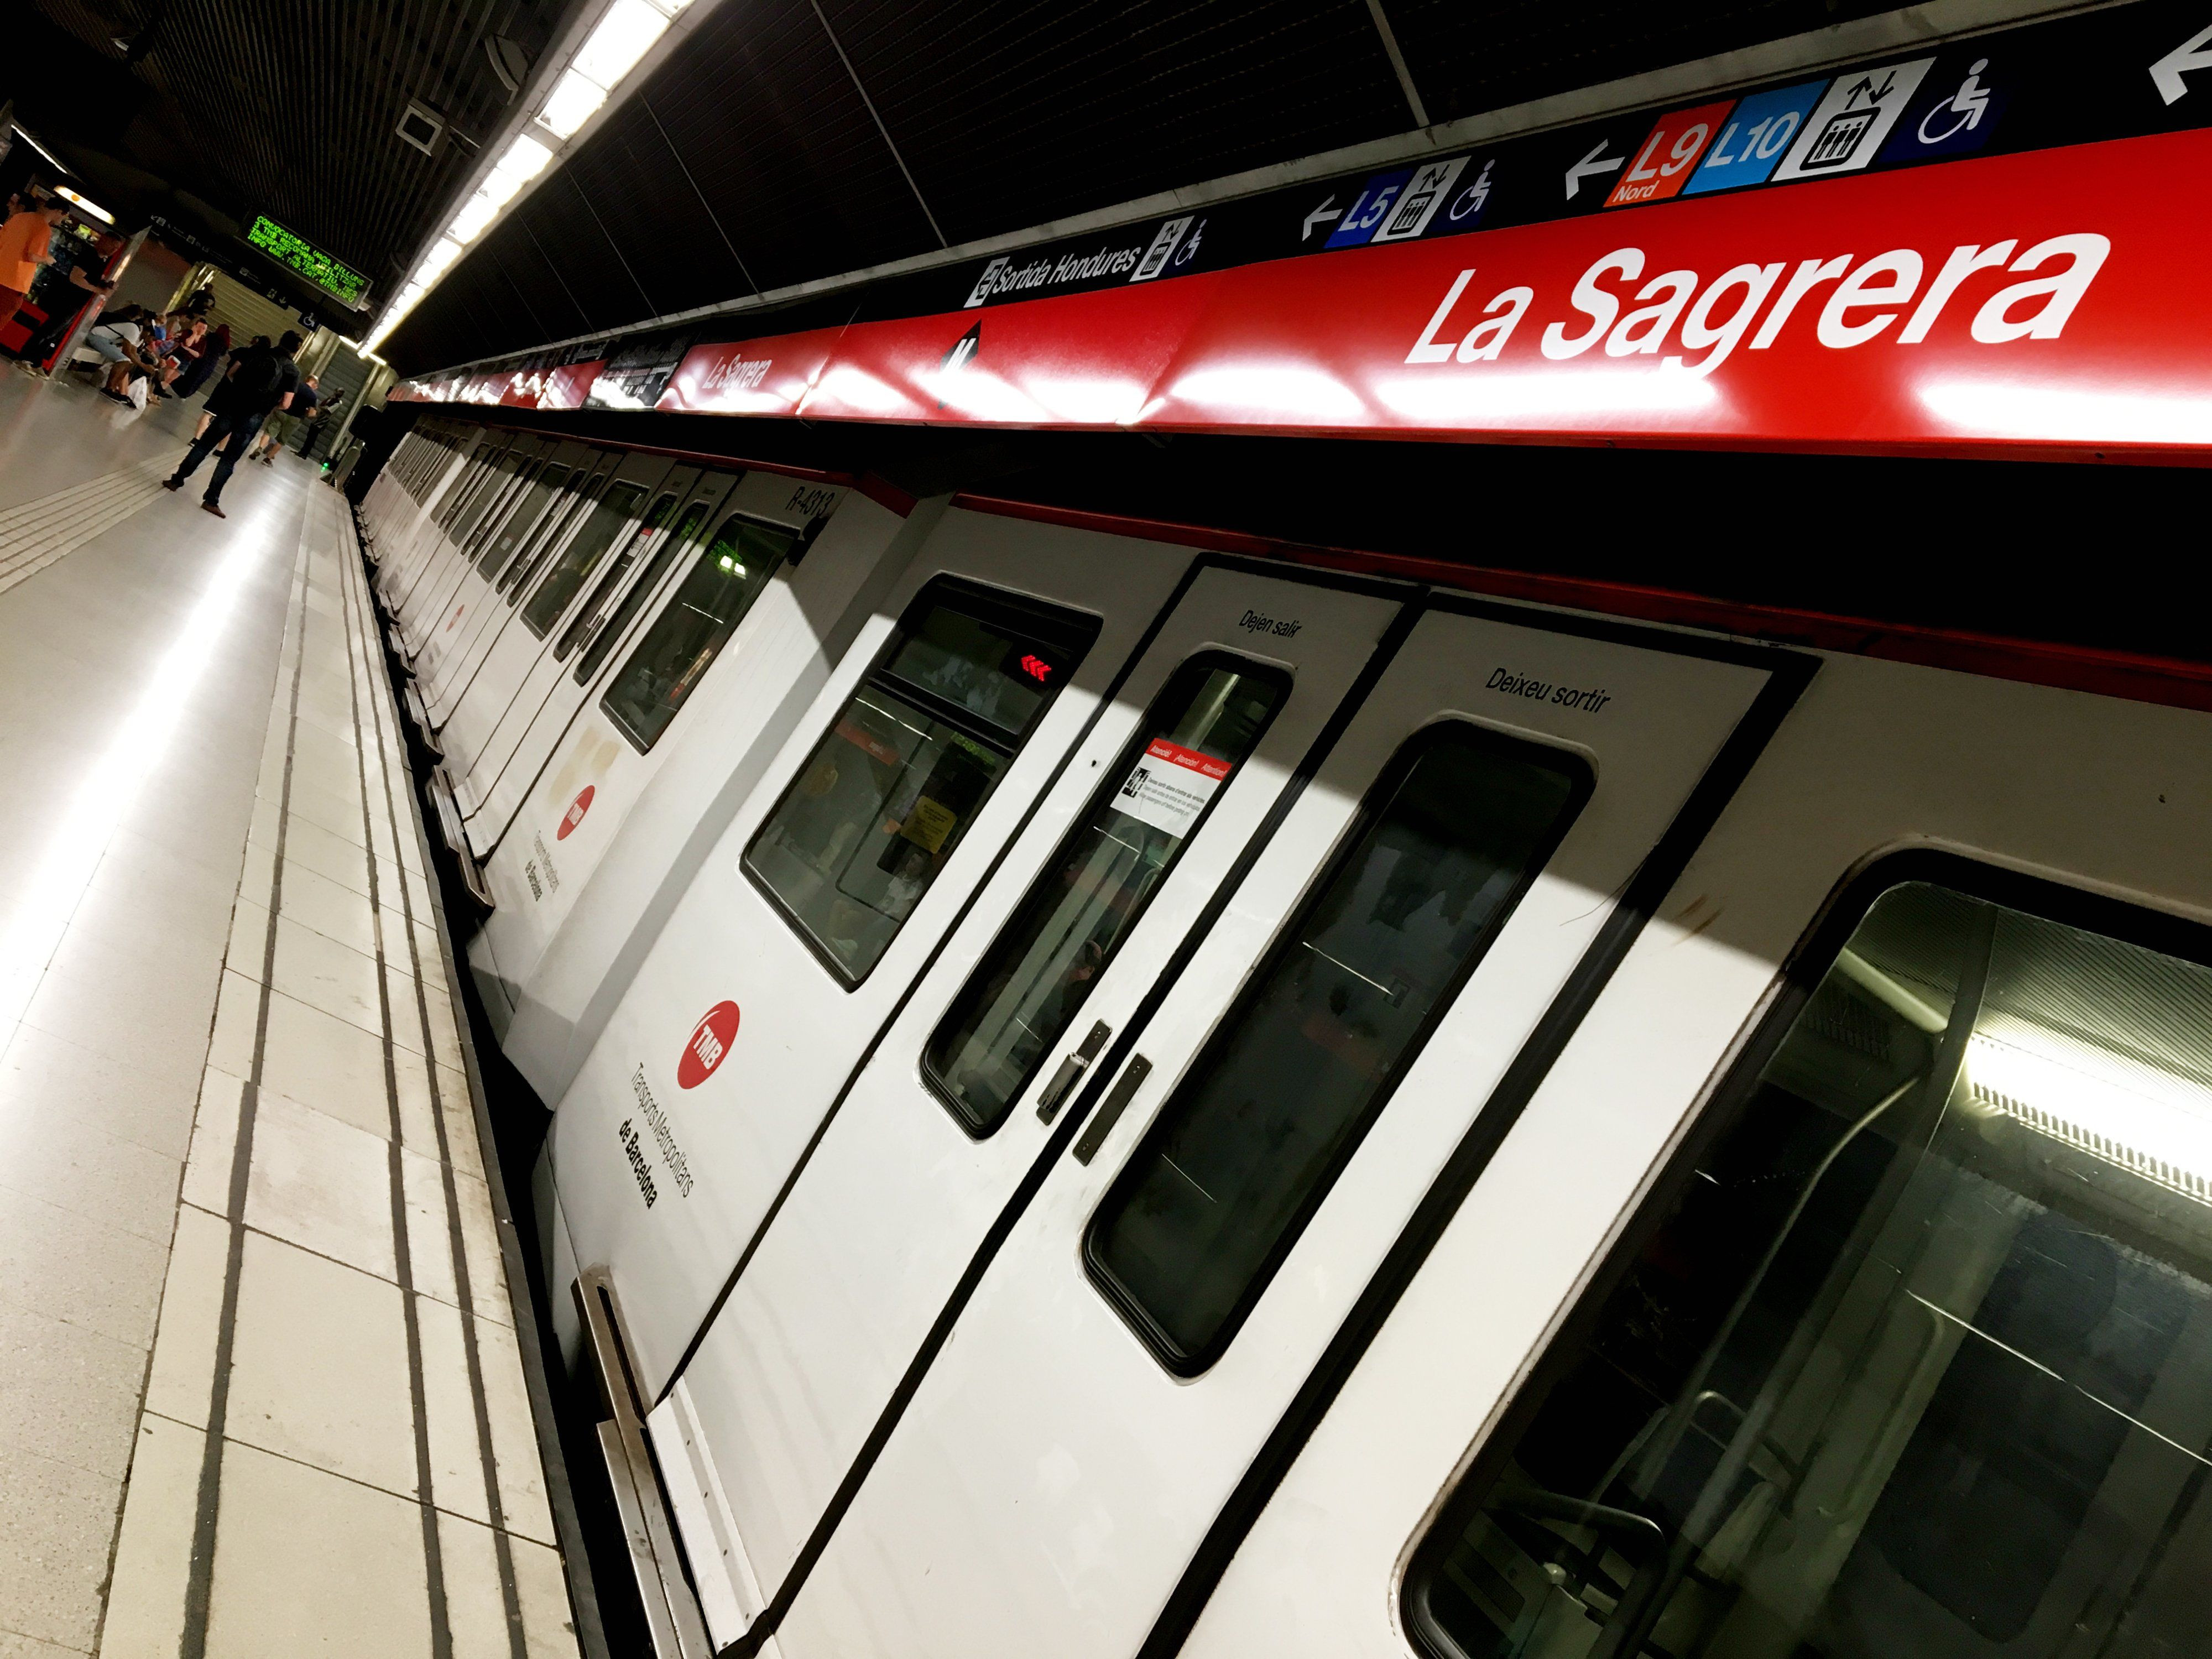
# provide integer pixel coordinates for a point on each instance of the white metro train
(1115, 1100)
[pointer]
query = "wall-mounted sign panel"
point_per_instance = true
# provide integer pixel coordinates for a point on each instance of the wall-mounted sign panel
(1975, 248)
(296, 254)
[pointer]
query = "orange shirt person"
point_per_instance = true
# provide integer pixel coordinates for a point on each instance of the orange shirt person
(26, 242)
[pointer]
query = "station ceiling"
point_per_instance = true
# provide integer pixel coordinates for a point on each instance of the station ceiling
(791, 140)
(211, 112)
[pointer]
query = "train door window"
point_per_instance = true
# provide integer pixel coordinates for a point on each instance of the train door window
(539, 503)
(1027, 990)
(478, 475)
(593, 611)
(555, 526)
(1454, 832)
(470, 514)
(1917, 1357)
(572, 566)
(693, 627)
(887, 795)
(436, 455)
(604, 636)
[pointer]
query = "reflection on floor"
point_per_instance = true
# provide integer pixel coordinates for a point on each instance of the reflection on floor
(260, 1390)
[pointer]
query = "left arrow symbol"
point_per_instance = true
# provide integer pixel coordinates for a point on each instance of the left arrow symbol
(2166, 73)
(1588, 164)
(1322, 215)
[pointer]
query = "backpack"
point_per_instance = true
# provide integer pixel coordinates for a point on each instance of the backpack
(260, 375)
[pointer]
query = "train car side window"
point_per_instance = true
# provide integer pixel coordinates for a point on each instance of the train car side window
(694, 626)
(1271, 1110)
(593, 609)
(1032, 982)
(572, 566)
(1913, 1352)
(604, 636)
(890, 789)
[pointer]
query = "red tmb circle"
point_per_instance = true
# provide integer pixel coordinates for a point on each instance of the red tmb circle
(706, 1046)
(575, 815)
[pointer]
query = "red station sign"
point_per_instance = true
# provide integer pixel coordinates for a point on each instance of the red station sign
(2046, 300)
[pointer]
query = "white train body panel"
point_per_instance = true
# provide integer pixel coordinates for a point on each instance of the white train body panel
(517, 666)
(838, 1295)
(741, 1132)
(562, 893)
(492, 635)
(1114, 1465)
(413, 533)
(907, 1402)
(438, 606)
(2090, 792)
(538, 714)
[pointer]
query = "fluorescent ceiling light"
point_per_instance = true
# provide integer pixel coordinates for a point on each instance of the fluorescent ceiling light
(475, 213)
(572, 103)
(436, 261)
(41, 149)
(93, 208)
(499, 188)
(2149, 1122)
(525, 160)
(624, 36)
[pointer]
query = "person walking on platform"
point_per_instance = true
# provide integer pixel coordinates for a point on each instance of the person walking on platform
(259, 384)
(26, 242)
(288, 423)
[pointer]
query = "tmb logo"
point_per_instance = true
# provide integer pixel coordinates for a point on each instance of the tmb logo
(575, 815)
(709, 1042)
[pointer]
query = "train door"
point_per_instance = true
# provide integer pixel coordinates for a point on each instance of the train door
(830, 891)
(401, 557)
(480, 504)
(680, 519)
(506, 482)
(539, 585)
(640, 502)
(1845, 1290)
(1206, 741)
(540, 497)
(688, 691)
(649, 642)
(426, 483)
(547, 506)
(1256, 1136)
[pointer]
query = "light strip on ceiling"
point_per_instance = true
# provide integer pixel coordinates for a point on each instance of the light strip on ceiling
(624, 33)
(41, 149)
(2151, 1123)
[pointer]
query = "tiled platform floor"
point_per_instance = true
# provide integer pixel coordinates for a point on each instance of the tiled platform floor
(260, 1388)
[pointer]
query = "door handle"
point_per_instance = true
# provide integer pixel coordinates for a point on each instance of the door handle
(1110, 1109)
(1077, 1063)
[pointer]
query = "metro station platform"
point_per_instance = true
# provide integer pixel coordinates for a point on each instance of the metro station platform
(261, 1386)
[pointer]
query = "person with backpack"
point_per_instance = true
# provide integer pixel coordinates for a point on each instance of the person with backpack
(259, 383)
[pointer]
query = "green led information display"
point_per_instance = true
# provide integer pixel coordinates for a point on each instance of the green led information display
(310, 261)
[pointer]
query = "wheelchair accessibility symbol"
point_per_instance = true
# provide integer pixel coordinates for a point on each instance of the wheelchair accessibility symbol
(1967, 106)
(1955, 117)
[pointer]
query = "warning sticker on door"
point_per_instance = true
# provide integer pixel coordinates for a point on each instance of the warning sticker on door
(1170, 787)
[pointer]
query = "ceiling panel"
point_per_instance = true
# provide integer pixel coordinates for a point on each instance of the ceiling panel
(290, 110)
